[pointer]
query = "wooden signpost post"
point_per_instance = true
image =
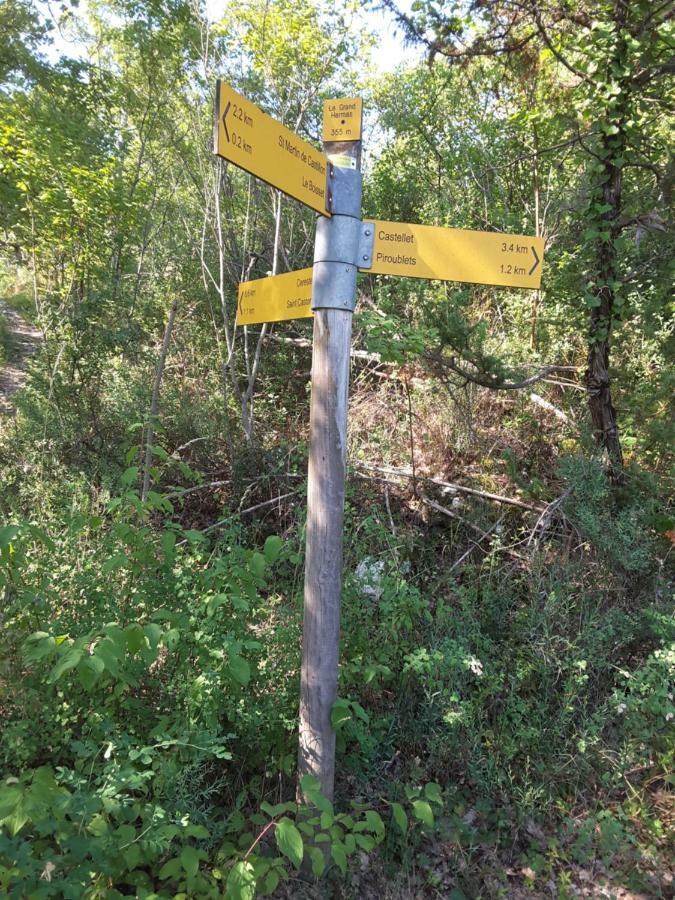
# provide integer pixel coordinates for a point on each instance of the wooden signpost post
(330, 184)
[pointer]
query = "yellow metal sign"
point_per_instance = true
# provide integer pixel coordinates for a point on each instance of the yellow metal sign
(257, 143)
(342, 119)
(276, 298)
(453, 254)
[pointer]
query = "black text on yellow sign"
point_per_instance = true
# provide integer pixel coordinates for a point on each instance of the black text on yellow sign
(257, 143)
(273, 299)
(342, 119)
(454, 254)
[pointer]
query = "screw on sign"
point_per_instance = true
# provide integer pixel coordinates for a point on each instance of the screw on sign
(330, 183)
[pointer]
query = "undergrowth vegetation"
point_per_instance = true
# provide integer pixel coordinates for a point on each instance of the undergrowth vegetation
(505, 720)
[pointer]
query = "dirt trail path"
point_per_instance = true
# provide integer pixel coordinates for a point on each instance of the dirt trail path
(26, 339)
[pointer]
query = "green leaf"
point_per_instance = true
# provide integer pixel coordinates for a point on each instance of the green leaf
(289, 841)
(272, 548)
(69, 660)
(114, 562)
(7, 535)
(110, 655)
(422, 811)
(135, 637)
(214, 603)
(271, 882)
(318, 861)
(258, 564)
(400, 817)
(189, 858)
(197, 831)
(129, 476)
(38, 645)
(432, 792)
(239, 669)
(171, 868)
(10, 797)
(241, 882)
(340, 714)
(365, 841)
(168, 542)
(337, 851)
(375, 823)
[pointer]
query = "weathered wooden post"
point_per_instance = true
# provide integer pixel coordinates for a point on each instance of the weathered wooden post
(341, 246)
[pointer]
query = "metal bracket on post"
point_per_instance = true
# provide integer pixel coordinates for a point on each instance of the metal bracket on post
(366, 244)
(338, 242)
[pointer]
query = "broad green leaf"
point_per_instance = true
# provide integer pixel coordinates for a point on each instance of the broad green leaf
(7, 535)
(375, 823)
(272, 548)
(214, 603)
(38, 645)
(422, 811)
(289, 841)
(168, 542)
(68, 661)
(400, 817)
(432, 792)
(241, 882)
(258, 564)
(271, 881)
(135, 637)
(318, 861)
(365, 841)
(10, 798)
(189, 858)
(129, 476)
(114, 562)
(171, 868)
(340, 714)
(337, 851)
(110, 655)
(239, 669)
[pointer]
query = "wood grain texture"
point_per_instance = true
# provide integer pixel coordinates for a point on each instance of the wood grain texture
(323, 563)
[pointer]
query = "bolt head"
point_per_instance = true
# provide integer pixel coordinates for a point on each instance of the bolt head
(365, 257)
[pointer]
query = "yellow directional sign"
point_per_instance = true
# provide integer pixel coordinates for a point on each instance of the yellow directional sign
(342, 119)
(453, 254)
(276, 298)
(255, 142)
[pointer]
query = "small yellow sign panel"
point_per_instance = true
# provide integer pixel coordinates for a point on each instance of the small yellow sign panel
(453, 254)
(342, 119)
(276, 298)
(257, 143)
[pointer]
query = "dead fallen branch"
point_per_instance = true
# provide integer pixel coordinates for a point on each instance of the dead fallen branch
(549, 407)
(483, 534)
(459, 488)
(191, 490)
(547, 514)
(475, 544)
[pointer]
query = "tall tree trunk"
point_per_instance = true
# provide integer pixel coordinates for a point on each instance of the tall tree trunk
(603, 414)
(154, 403)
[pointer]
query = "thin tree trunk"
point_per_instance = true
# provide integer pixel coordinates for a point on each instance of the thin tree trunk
(603, 414)
(248, 421)
(536, 298)
(154, 403)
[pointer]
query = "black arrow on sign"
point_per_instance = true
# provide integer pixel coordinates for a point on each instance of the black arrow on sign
(535, 257)
(227, 133)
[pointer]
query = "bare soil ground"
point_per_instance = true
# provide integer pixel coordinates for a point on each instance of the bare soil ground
(26, 339)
